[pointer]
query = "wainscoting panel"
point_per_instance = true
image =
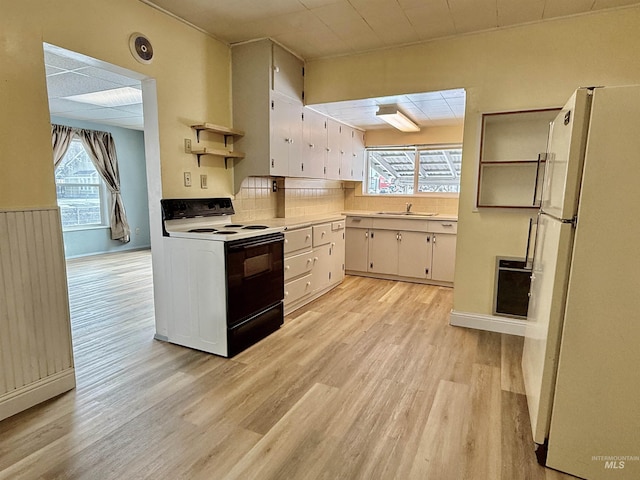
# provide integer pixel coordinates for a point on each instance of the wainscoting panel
(35, 330)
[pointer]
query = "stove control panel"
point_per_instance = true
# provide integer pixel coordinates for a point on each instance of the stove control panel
(173, 209)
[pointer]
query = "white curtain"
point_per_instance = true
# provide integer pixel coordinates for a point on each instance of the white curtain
(102, 150)
(61, 136)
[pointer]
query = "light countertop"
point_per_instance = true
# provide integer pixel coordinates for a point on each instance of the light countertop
(375, 214)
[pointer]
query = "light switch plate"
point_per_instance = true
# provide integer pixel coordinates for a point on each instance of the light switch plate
(187, 179)
(203, 181)
(187, 145)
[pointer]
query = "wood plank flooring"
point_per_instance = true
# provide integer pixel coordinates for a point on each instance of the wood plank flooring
(367, 382)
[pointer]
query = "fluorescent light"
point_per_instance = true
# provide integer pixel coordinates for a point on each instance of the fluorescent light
(116, 97)
(395, 118)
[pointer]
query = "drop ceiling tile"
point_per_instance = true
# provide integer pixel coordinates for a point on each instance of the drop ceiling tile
(131, 110)
(67, 84)
(111, 77)
(61, 62)
(566, 7)
(51, 70)
(432, 20)
(473, 15)
(454, 93)
(134, 123)
(337, 13)
(60, 105)
(512, 12)
(96, 114)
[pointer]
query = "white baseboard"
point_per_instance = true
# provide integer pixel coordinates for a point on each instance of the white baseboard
(37, 392)
(491, 323)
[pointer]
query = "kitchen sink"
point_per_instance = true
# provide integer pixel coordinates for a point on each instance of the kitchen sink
(410, 214)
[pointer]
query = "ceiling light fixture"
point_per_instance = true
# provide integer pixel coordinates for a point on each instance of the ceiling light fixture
(116, 97)
(394, 117)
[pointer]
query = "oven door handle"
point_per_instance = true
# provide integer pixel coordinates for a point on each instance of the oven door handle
(257, 242)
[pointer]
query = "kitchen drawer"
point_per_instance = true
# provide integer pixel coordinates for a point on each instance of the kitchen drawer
(297, 265)
(295, 240)
(443, 226)
(335, 226)
(359, 222)
(296, 289)
(321, 234)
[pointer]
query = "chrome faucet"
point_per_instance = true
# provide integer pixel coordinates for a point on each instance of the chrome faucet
(409, 205)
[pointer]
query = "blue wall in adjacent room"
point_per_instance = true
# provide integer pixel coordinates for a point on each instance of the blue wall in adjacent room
(133, 186)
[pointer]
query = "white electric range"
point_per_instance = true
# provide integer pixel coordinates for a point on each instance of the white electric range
(226, 280)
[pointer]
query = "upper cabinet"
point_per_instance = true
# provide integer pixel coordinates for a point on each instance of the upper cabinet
(314, 145)
(267, 105)
(512, 158)
(287, 75)
(282, 137)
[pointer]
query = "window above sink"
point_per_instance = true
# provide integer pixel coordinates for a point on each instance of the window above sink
(413, 170)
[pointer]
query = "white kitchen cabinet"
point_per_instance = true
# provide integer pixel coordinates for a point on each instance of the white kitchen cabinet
(414, 254)
(298, 265)
(356, 257)
(314, 145)
(443, 257)
(352, 149)
(338, 239)
(286, 137)
(383, 252)
(267, 105)
(403, 253)
(414, 249)
(328, 249)
(443, 239)
(334, 157)
(313, 262)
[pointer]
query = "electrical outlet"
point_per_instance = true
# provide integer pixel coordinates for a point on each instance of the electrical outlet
(187, 179)
(203, 181)
(187, 145)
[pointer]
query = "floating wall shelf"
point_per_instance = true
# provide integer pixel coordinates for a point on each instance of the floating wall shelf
(217, 153)
(220, 130)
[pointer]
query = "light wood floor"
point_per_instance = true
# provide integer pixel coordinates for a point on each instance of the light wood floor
(368, 382)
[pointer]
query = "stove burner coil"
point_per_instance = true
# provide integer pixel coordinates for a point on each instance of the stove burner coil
(231, 225)
(225, 232)
(255, 227)
(202, 230)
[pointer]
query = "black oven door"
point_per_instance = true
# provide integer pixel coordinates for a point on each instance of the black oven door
(255, 275)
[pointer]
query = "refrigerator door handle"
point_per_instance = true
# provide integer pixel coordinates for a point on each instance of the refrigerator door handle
(541, 158)
(529, 265)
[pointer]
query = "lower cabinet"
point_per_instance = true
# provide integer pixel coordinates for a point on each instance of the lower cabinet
(313, 262)
(411, 249)
(444, 257)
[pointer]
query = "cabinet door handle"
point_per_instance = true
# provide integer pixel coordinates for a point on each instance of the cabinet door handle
(366, 234)
(434, 239)
(400, 236)
(311, 145)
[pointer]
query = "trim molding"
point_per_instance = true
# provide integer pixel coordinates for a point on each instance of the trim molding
(37, 392)
(490, 323)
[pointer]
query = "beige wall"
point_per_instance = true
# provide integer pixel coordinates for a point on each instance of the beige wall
(426, 136)
(533, 66)
(193, 83)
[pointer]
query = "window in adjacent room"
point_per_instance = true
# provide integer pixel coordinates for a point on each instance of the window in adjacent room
(413, 170)
(80, 190)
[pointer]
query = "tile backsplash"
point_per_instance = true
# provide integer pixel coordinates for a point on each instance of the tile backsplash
(297, 197)
(445, 205)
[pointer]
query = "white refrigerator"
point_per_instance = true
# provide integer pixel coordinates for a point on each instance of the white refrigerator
(581, 357)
